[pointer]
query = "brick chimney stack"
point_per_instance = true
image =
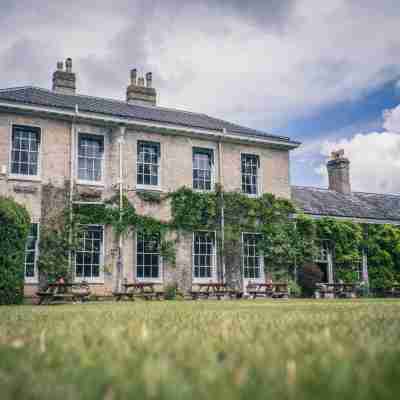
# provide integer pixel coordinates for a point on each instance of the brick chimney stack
(339, 172)
(140, 94)
(64, 81)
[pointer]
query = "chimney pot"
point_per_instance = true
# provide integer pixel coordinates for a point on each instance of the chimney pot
(149, 79)
(133, 76)
(64, 81)
(139, 94)
(68, 65)
(339, 172)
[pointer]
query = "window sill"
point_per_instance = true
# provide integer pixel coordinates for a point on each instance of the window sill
(90, 183)
(89, 281)
(150, 188)
(26, 178)
(150, 280)
(31, 281)
(204, 280)
(203, 190)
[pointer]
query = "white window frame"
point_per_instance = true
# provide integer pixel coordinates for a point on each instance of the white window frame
(84, 181)
(213, 277)
(212, 151)
(160, 265)
(11, 175)
(259, 175)
(100, 278)
(143, 186)
(261, 278)
(35, 277)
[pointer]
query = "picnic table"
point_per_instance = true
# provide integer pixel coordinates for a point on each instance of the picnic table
(145, 290)
(61, 292)
(394, 291)
(212, 289)
(338, 289)
(271, 289)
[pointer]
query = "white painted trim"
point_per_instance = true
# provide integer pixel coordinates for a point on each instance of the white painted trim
(103, 161)
(259, 175)
(100, 278)
(261, 279)
(213, 180)
(160, 278)
(32, 178)
(131, 121)
(34, 279)
(142, 186)
(214, 275)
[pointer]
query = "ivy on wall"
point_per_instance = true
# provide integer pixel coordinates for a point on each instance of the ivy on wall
(287, 243)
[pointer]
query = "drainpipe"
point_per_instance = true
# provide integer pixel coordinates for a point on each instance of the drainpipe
(221, 183)
(330, 266)
(71, 186)
(121, 141)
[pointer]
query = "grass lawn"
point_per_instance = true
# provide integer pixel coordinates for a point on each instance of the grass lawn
(202, 350)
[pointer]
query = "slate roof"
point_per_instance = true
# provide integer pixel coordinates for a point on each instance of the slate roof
(43, 97)
(325, 202)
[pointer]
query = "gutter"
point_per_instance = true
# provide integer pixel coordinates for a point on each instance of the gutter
(177, 129)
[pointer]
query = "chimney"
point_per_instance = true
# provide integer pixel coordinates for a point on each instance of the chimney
(339, 172)
(140, 94)
(64, 81)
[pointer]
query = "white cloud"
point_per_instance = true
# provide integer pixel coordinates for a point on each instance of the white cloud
(257, 63)
(374, 156)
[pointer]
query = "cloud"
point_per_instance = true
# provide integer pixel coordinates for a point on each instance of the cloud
(260, 63)
(374, 156)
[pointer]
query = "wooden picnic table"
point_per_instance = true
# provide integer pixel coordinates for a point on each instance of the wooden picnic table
(60, 292)
(269, 289)
(208, 289)
(145, 290)
(338, 289)
(394, 291)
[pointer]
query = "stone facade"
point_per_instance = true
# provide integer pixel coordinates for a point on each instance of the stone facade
(56, 147)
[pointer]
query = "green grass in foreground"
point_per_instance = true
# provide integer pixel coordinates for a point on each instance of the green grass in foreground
(202, 350)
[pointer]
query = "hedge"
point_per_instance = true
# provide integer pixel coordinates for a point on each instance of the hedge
(14, 228)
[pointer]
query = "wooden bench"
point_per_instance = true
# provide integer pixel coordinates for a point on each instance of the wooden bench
(278, 290)
(144, 290)
(61, 292)
(212, 289)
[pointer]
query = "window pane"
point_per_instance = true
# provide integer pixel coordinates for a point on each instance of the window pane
(90, 157)
(31, 251)
(147, 256)
(148, 157)
(203, 254)
(88, 255)
(202, 168)
(250, 166)
(24, 151)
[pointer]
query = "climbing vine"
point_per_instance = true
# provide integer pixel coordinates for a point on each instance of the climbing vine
(287, 243)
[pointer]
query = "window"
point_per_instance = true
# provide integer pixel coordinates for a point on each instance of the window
(148, 258)
(202, 168)
(250, 167)
(88, 258)
(251, 256)
(148, 163)
(90, 157)
(204, 255)
(25, 150)
(31, 252)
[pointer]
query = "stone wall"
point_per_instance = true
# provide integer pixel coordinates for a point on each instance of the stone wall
(176, 171)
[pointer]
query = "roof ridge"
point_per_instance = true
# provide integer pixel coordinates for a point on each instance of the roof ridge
(353, 192)
(87, 96)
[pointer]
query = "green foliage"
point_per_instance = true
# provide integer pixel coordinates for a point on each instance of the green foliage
(192, 210)
(171, 291)
(14, 228)
(149, 196)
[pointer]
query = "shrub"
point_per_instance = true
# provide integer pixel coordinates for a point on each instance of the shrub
(309, 275)
(171, 291)
(14, 228)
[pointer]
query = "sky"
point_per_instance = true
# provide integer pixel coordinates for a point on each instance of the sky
(326, 73)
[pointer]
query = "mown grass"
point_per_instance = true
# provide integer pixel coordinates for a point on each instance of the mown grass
(202, 350)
